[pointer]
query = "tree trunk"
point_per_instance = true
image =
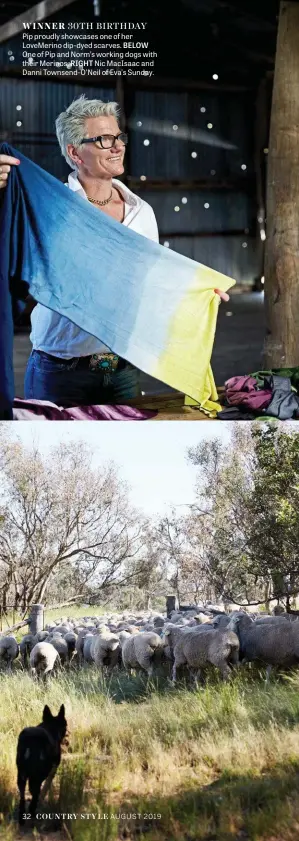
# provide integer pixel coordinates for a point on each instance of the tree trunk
(42, 590)
(282, 244)
(266, 595)
(4, 599)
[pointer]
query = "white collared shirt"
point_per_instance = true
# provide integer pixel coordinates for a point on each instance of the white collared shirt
(57, 335)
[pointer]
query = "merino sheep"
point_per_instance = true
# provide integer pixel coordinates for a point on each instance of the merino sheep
(70, 639)
(197, 648)
(43, 658)
(9, 650)
(223, 619)
(272, 644)
(220, 621)
(41, 636)
(61, 646)
(87, 640)
(131, 629)
(275, 620)
(63, 628)
(104, 650)
(141, 651)
(26, 645)
(159, 622)
(203, 619)
(278, 610)
(79, 644)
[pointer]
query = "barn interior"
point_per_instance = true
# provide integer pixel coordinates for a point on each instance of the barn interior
(198, 139)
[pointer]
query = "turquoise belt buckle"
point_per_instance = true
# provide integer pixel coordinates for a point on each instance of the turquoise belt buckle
(107, 363)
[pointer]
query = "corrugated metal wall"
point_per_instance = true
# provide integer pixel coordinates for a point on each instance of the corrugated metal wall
(234, 255)
(11, 52)
(176, 125)
(226, 211)
(224, 254)
(169, 153)
(168, 156)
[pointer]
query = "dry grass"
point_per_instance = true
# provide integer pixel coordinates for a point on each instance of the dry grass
(217, 765)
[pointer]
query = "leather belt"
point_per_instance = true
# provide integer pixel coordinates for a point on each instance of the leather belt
(105, 362)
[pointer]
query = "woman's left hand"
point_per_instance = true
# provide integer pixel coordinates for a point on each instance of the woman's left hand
(223, 295)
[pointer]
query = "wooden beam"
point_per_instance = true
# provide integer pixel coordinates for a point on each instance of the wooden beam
(36, 13)
(282, 251)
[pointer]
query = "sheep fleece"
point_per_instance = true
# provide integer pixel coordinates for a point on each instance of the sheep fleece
(139, 650)
(198, 649)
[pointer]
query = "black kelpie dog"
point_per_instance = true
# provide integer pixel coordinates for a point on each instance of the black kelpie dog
(38, 757)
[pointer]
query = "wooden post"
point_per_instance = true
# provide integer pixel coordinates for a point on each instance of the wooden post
(261, 142)
(282, 244)
(170, 605)
(36, 618)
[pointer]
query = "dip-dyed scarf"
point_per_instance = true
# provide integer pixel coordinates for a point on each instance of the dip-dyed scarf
(150, 305)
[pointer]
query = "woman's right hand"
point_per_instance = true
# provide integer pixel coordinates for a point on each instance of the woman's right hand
(5, 166)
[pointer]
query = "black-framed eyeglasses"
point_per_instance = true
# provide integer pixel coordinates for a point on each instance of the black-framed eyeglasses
(107, 141)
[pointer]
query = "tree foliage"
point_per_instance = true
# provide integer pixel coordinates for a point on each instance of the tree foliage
(249, 494)
(64, 525)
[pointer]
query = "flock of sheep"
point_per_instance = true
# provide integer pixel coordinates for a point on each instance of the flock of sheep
(190, 638)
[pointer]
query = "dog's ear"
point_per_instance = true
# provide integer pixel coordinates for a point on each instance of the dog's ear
(61, 714)
(47, 715)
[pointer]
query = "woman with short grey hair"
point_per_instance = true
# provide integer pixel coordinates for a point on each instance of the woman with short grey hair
(68, 366)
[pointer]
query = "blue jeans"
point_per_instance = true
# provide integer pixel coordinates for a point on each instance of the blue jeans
(60, 382)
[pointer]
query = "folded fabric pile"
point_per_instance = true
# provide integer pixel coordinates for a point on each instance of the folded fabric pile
(262, 395)
(44, 410)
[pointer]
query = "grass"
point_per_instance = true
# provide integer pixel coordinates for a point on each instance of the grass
(212, 765)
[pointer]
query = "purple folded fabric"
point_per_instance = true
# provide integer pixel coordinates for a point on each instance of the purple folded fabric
(241, 384)
(242, 391)
(43, 410)
(253, 400)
